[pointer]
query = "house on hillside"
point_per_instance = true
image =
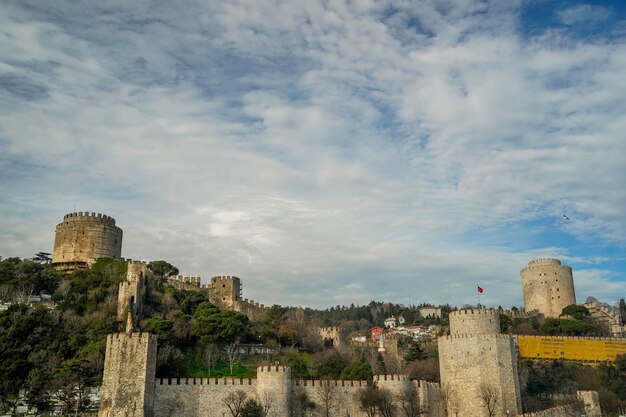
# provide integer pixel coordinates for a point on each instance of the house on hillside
(376, 332)
(390, 322)
(430, 311)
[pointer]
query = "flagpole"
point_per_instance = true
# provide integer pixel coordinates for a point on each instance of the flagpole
(478, 295)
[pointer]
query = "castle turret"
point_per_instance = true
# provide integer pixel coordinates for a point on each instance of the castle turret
(274, 385)
(84, 237)
(548, 286)
(129, 294)
(478, 366)
(225, 290)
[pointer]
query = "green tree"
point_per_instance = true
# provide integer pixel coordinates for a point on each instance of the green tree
(505, 323)
(567, 327)
(299, 364)
(162, 268)
(415, 352)
(42, 257)
(576, 311)
(160, 327)
(358, 371)
(332, 367)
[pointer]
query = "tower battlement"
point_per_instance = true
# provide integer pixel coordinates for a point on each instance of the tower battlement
(544, 261)
(273, 368)
(87, 216)
(475, 321)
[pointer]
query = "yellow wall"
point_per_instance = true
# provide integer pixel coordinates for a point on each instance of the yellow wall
(572, 348)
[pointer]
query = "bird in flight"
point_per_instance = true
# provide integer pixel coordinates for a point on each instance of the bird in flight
(565, 217)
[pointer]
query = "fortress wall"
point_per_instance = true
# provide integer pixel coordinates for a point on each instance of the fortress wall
(198, 397)
(341, 396)
(202, 397)
(250, 308)
(471, 363)
(85, 237)
(547, 286)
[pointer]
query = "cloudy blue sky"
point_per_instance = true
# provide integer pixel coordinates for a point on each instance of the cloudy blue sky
(326, 152)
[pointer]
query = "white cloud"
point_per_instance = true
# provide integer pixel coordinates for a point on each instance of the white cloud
(583, 13)
(312, 147)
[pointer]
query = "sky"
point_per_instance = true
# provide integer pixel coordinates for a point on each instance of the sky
(325, 152)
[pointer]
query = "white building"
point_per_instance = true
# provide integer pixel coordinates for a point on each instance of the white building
(390, 322)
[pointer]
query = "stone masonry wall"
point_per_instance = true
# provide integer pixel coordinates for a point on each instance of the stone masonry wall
(202, 397)
(472, 364)
(547, 286)
(85, 237)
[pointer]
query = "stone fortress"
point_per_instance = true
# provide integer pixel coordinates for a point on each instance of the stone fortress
(478, 365)
(84, 237)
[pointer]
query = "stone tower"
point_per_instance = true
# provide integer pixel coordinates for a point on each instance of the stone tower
(84, 237)
(274, 384)
(478, 366)
(224, 291)
(129, 298)
(548, 287)
(128, 381)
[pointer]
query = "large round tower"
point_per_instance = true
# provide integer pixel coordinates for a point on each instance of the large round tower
(478, 366)
(84, 237)
(548, 286)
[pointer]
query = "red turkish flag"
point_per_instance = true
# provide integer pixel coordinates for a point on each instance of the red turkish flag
(480, 290)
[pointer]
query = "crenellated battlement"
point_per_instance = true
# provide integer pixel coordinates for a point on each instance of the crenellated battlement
(475, 311)
(273, 368)
(253, 303)
(486, 336)
(571, 338)
(113, 337)
(329, 382)
(475, 321)
(87, 216)
(385, 377)
(330, 329)
(206, 381)
(544, 261)
(224, 278)
(196, 281)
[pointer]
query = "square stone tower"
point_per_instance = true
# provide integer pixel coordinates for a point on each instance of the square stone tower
(129, 370)
(478, 366)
